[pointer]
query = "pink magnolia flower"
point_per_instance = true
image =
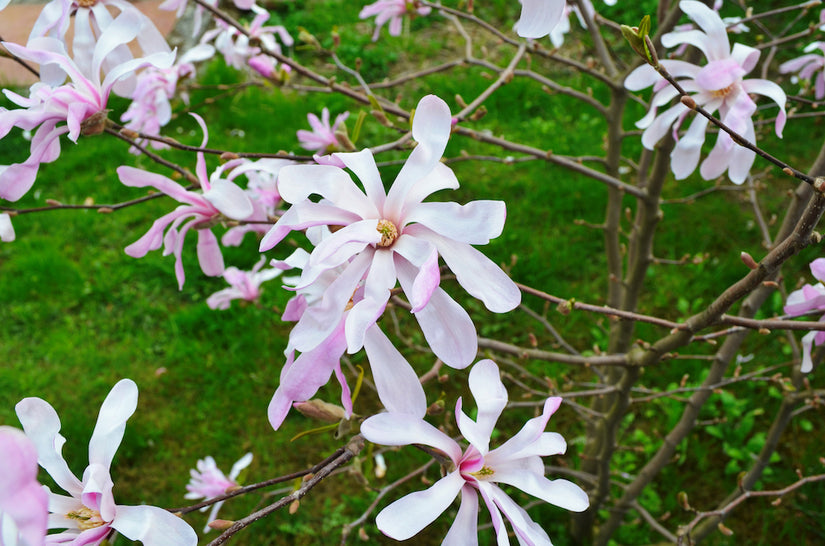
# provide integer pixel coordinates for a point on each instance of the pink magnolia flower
(477, 469)
(81, 104)
(809, 66)
(91, 20)
(238, 48)
(244, 285)
(719, 85)
(150, 108)
(539, 17)
(24, 503)
(6, 229)
(389, 237)
(89, 514)
(805, 300)
(200, 211)
(392, 11)
(208, 482)
(322, 138)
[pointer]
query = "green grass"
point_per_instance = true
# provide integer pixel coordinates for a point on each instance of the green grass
(79, 314)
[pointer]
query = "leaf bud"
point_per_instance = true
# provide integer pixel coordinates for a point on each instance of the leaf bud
(748, 260)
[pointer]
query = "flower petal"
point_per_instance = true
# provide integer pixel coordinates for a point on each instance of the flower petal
(153, 526)
(408, 515)
(395, 380)
(116, 409)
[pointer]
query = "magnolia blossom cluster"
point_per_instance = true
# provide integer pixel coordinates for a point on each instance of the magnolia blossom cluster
(75, 108)
(810, 66)
(717, 86)
(88, 515)
(92, 19)
(809, 299)
(219, 198)
(242, 49)
(538, 17)
(151, 108)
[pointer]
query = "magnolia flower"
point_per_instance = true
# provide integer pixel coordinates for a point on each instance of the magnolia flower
(6, 229)
(719, 85)
(477, 469)
(24, 504)
(81, 104)
(208, 481)
(150, 108)
(539, 17)
(394, 236)
(805, 300)
(809, 65)
(220, 198)
(238, 48)
(90, 514)
(92, 18)
(392, 11)
(244, 285)
(322, 138)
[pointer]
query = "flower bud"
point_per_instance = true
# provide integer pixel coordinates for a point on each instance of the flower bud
(320, 410)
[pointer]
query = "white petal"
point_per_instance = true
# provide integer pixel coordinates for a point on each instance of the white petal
(42, 426)
(476, 273)
(228, 198)
(407, 516)
(474, 223)
(539, 17)
(464, 530)
(402, 429)
(119, 405)
(363, 165)
(491, 398)
(153, 526)
(395, 380)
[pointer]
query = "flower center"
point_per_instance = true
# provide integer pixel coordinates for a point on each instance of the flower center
(86, 518)
(86, 3)
(388, 231)
(484, 473)
(724, 92)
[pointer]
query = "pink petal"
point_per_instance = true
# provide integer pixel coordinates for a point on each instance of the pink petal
(464, 530)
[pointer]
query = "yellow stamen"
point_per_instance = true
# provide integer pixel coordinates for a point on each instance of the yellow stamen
(388, 231)
(722, 92)
(484, 473)
(86, 3)
(86, 518)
